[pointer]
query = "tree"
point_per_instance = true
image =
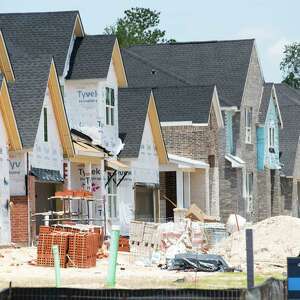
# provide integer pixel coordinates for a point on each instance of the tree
(138, 26)
(290, 65)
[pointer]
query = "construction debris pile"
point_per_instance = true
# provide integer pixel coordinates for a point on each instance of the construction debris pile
(78, 245)
(158, 243)
(274, 240)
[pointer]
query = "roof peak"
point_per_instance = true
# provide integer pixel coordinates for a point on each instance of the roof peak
(170, 87)
(195, 42)
(41, 12)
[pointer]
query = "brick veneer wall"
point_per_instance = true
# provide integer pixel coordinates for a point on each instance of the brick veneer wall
(263, 198)
(19, 219)
(287, 193)
(231, 180)
(197, 142)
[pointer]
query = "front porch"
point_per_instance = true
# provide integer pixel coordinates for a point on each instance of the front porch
(183, 181)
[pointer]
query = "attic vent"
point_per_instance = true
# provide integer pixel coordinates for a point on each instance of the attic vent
(153, 71)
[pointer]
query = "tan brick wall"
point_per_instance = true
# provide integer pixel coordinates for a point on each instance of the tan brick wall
(196, 142)
(19, 219)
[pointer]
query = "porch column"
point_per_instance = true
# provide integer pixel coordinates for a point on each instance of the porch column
(186, 189)
(179, 189)
(88, 185)
(69, 175)
(207, 206)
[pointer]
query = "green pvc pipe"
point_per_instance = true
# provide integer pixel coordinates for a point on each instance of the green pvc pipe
(55, 252)
(113, 255)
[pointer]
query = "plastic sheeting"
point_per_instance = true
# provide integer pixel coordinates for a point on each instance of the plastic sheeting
(198, 262)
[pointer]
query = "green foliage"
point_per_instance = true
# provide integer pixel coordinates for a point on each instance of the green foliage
(138, 26)
(290, 65)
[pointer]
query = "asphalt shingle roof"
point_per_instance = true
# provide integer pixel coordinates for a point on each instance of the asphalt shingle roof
(264, 104)
(221, 63)
(174, 104)
(46, 33)
(27, 94)
(132, 109)
(143, 73)
(186, 103)
(289, 102)
(91, 57)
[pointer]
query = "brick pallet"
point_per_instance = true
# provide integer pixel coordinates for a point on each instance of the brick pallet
(83, 249)
(76, 248)
(44, 249)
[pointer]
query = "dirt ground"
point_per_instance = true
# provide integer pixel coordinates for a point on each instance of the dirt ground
(14, 267)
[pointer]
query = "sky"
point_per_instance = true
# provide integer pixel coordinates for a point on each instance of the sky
(273, 23)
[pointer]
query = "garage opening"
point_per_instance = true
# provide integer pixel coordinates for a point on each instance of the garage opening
(146, 203)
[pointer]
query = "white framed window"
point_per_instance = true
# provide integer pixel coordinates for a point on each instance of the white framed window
(249, 192)
(248, 124)
(271, 137)
(110, 106)
(112, 195)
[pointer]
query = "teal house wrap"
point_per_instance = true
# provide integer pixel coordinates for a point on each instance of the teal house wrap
(267, 133)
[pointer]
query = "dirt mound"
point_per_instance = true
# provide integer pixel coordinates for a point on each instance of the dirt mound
(274, 240)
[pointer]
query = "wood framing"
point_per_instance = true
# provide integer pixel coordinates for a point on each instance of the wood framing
(119, 66)
(59, 112)
(14, 139)
(78, 28)
(5, 65)
(156, 131)
(85, 153)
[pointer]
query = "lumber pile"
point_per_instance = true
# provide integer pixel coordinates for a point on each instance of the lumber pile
(78, 245)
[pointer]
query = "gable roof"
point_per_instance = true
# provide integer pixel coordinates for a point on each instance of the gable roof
(133, 107)
(27, 94)
(91, 57)
(268, 95)
(289, 102)
(186, 103)
(132, 110)
(44, 33)
(221, 63)
(9, 117)
(5, 64)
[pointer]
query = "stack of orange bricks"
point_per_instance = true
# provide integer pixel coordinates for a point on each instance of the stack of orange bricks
(74, 193)
(76, 248)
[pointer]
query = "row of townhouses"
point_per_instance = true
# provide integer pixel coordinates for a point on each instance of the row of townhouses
(146, 128)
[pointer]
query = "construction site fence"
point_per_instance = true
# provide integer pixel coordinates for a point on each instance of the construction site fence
(271, 289)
